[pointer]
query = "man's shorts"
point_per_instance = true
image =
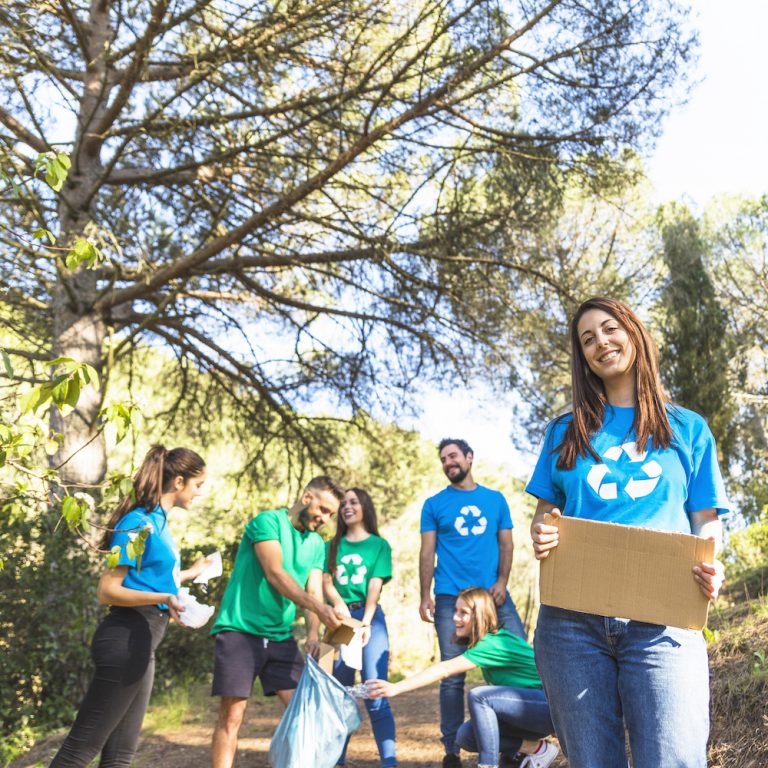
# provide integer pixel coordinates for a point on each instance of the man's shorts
(241, 657)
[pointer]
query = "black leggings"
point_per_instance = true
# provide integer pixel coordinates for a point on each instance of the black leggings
(110, 716)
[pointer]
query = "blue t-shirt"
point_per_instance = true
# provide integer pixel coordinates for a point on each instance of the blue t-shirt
(467, 524)
(160, 569)
(654, 488)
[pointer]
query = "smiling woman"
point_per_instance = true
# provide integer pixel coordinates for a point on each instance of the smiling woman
(602, 673)
(358, 564)
(509, 716)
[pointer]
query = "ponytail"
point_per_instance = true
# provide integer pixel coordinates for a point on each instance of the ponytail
(155, 475)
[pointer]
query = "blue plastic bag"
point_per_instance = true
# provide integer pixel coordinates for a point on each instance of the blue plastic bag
(316, 724)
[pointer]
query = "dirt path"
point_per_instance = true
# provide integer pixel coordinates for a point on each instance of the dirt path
(416, 717)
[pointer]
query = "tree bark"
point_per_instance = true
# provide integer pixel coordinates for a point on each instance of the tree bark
(79, 330)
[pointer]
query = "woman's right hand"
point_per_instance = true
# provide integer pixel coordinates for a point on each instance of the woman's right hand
(377, 689)
(545, 537)
(175, 608)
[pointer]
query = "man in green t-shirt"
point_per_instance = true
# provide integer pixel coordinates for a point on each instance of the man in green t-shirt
(279, 565)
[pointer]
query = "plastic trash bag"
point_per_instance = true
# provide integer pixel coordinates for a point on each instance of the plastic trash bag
(316, 723)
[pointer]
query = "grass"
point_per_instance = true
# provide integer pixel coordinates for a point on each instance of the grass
(184, 703)
(738, 650)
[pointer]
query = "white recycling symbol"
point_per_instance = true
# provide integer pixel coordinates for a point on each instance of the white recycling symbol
(479, 522)
(635, 488)
(342, 575)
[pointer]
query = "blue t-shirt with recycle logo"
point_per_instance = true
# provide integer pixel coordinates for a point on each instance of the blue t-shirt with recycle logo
(160, 569)
(467, 524)
(652, 488)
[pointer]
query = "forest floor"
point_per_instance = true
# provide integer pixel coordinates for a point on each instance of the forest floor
(187, 744)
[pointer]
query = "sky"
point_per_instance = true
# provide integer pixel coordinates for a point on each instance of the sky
(713, 144)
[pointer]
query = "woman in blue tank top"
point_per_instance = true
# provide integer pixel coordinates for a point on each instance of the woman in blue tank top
(625, 455)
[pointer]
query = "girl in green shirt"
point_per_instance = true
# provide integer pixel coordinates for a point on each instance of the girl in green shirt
(508, 716)
(358, 564)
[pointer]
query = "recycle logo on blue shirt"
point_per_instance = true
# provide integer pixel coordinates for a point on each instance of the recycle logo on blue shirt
(470, 520)
(356, 569)
(599, 476)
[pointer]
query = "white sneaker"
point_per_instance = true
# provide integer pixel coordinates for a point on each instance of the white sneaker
(542, 759)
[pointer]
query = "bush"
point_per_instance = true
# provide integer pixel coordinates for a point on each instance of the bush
(748, 549)
(48, 611)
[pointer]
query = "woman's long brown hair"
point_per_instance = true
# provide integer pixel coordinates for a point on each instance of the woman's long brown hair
(485, 619)
(155, 476)
(369, 523)
(589, 399)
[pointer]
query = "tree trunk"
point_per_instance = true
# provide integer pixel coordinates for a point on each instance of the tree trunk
(78, 330)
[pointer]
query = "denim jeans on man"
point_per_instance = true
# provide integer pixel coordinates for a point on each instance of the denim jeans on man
(452, 688)
(500, 718)
(600, 673)
(375, 663)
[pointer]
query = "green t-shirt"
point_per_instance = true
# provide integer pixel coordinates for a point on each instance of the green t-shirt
(357, 562)
(505, 659)
(250, 603)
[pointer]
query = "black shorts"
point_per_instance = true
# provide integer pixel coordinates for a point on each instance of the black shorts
(241, 657)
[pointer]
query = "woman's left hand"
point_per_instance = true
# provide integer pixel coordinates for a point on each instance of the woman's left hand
(365, 634)
(377, 689)
(710, 578)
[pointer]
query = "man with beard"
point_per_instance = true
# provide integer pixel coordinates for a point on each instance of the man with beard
(279, 565)
(469, 527)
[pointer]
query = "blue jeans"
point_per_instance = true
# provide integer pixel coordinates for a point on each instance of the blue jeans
(375, 665)
(452, 688)
(500, 718)
(600, 673)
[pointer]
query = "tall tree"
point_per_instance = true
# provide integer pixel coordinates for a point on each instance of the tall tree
(738, 234)
(697, 347)
(277, 189)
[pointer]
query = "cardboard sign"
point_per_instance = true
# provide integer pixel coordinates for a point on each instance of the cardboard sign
(623, 570)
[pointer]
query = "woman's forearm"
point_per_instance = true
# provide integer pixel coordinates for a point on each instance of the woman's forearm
(372, 599)
(127, 598)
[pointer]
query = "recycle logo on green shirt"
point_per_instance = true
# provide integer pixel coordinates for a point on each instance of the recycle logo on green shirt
(351, 568)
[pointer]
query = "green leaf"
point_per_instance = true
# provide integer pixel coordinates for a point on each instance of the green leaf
(126, 486)
(7, 365)
(35, 397)
(89, 375)
(41, 233)
(73, 392)
(113, 558)
(52, 177)
(65, 361)
(72, 512)
(28, 399)
(60, 390)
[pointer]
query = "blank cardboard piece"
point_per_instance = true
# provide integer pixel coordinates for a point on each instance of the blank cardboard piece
(343, 634)
(623, 570)
(326, 657)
